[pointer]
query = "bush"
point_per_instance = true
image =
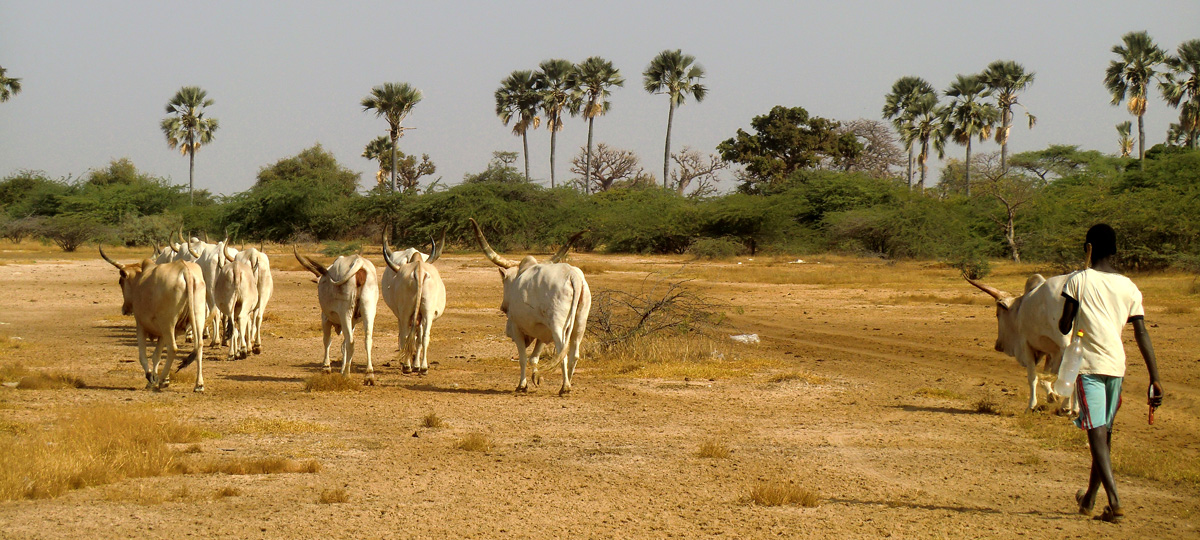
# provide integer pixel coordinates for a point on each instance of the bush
(71, 230)
(148, 230)
(17, 230)
(973, 266)
(714, 248)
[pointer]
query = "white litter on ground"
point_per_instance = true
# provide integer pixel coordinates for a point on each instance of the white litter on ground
(797, 261)
(745, 338)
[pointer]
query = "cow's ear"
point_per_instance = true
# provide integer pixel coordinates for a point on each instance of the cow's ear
(501, 270)
(1006, 303)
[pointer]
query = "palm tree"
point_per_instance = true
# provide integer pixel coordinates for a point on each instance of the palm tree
(905, 92)
(1181, 88)
(1131, 75)
(923, 124)
(967, 117)
(392, 101)
(676, 75)
(518, 97)
(187, 128)
(591, 82)
(555, 91)
(1006, 79)
(1124, 139)
(9, 86)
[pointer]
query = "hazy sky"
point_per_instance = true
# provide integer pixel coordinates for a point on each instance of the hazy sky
(96, 76)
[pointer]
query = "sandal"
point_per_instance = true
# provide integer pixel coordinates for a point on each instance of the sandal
(1085, 510)
(1112, 515)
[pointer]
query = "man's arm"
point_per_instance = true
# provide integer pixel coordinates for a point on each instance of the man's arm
(1147, 349)
(1070, 308)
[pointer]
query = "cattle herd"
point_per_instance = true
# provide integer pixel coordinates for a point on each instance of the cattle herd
(197, 288)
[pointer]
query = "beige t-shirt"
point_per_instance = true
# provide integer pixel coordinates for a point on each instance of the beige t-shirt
(1106, 302)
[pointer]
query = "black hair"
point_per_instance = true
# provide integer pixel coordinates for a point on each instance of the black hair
(1103, 240)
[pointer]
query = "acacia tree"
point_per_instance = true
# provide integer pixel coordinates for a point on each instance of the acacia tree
(518, 98)
(187, 128)
(786, 140)
(1005, 80)
(898, 107)
(9, 86)
(967, 117)
(392, 101)
(591, 83)
(1013, 192)
(552, 82)
(677, 75)
(1131, 74)
(1181, 88)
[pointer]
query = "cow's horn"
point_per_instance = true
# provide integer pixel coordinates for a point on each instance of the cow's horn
(387, 254)
(205, 233)
(996, 293)
(562, 252)
(437, 248)
(110, 261)
(182, 240)
(192, 251)
(225, 250)
(488, 251)
(308, 264)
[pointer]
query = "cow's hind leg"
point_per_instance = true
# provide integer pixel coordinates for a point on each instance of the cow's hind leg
(368, 331)
(523, 359)
(141, 341)
(347, 343)
(533, 360)
(165, 373)
(327, 330)
(561, 348)
(1027, 359)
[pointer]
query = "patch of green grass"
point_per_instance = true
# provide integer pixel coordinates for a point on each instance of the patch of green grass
(1169, 465)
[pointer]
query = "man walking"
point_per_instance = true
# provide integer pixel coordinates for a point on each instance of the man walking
(1099, 302)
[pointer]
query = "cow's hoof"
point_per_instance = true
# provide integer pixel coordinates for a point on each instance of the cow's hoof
(406, 370)
(257, 349)
(522, 390)
(327, 369)
(199, 389)
(242, 355)
(537, 379)
(564, 391)
(424, 371)
(369, 381)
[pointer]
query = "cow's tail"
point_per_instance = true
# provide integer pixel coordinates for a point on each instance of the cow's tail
(568, 329)
(196, 323)
(410, 341)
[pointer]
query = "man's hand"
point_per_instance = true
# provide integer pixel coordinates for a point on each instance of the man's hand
(1155, 395)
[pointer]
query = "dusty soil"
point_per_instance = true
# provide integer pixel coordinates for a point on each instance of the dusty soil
(618, 457)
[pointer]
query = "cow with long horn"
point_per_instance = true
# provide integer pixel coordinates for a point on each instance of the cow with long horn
(546, 303)
(1027, 329)
(265, 283)
(163, 299)
(348, 291)
(414, 291)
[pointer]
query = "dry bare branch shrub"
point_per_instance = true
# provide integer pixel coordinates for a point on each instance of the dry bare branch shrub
(432, 420)
(660, 304)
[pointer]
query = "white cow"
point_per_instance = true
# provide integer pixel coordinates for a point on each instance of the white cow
(547, 303)
(163, 299)
(413, 289)
(210, 258)
(1028, 329)
(236, 292)
(261, 265)
(348, 291)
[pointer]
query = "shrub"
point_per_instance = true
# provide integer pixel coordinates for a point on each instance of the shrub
(19, 229)
(475, 442)
(973, 266)
(714, 248)
(777, 493)
(71, 230)
(713, 449)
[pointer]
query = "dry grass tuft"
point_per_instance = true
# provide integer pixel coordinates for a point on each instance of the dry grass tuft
(475, 442)
(776, 493)
(333, 496)
(673, 356)
(1164, 465)
(432, 420)
(88, 447)
(49, 381)
(330, 382)
(244, 466)
(1031, 459)
(13, 372)
(713, 449)
(987, 405)
(275, 426)
(1052, 431)
(940, 393)
(228, 491)
(802, 376)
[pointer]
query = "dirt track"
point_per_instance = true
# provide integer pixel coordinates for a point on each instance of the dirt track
(618, 457)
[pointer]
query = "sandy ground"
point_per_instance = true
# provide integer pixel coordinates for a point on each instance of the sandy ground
(618, 457)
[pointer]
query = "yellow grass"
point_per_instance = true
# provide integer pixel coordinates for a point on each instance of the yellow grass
(987, 405)
(245, 466)
(778, 493)
(432, 420)
(49, 381)
(333, 496)
(678, 357)
(1052, 432)
(713, 448)
(92, 446)
(475, 442)
(330, 382)
(1164, 465)
(228, 491)
(275, 426)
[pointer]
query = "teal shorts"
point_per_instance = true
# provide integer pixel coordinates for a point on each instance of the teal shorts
(1099, 398)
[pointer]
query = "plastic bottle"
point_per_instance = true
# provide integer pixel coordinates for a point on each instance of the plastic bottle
(1068, 369)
